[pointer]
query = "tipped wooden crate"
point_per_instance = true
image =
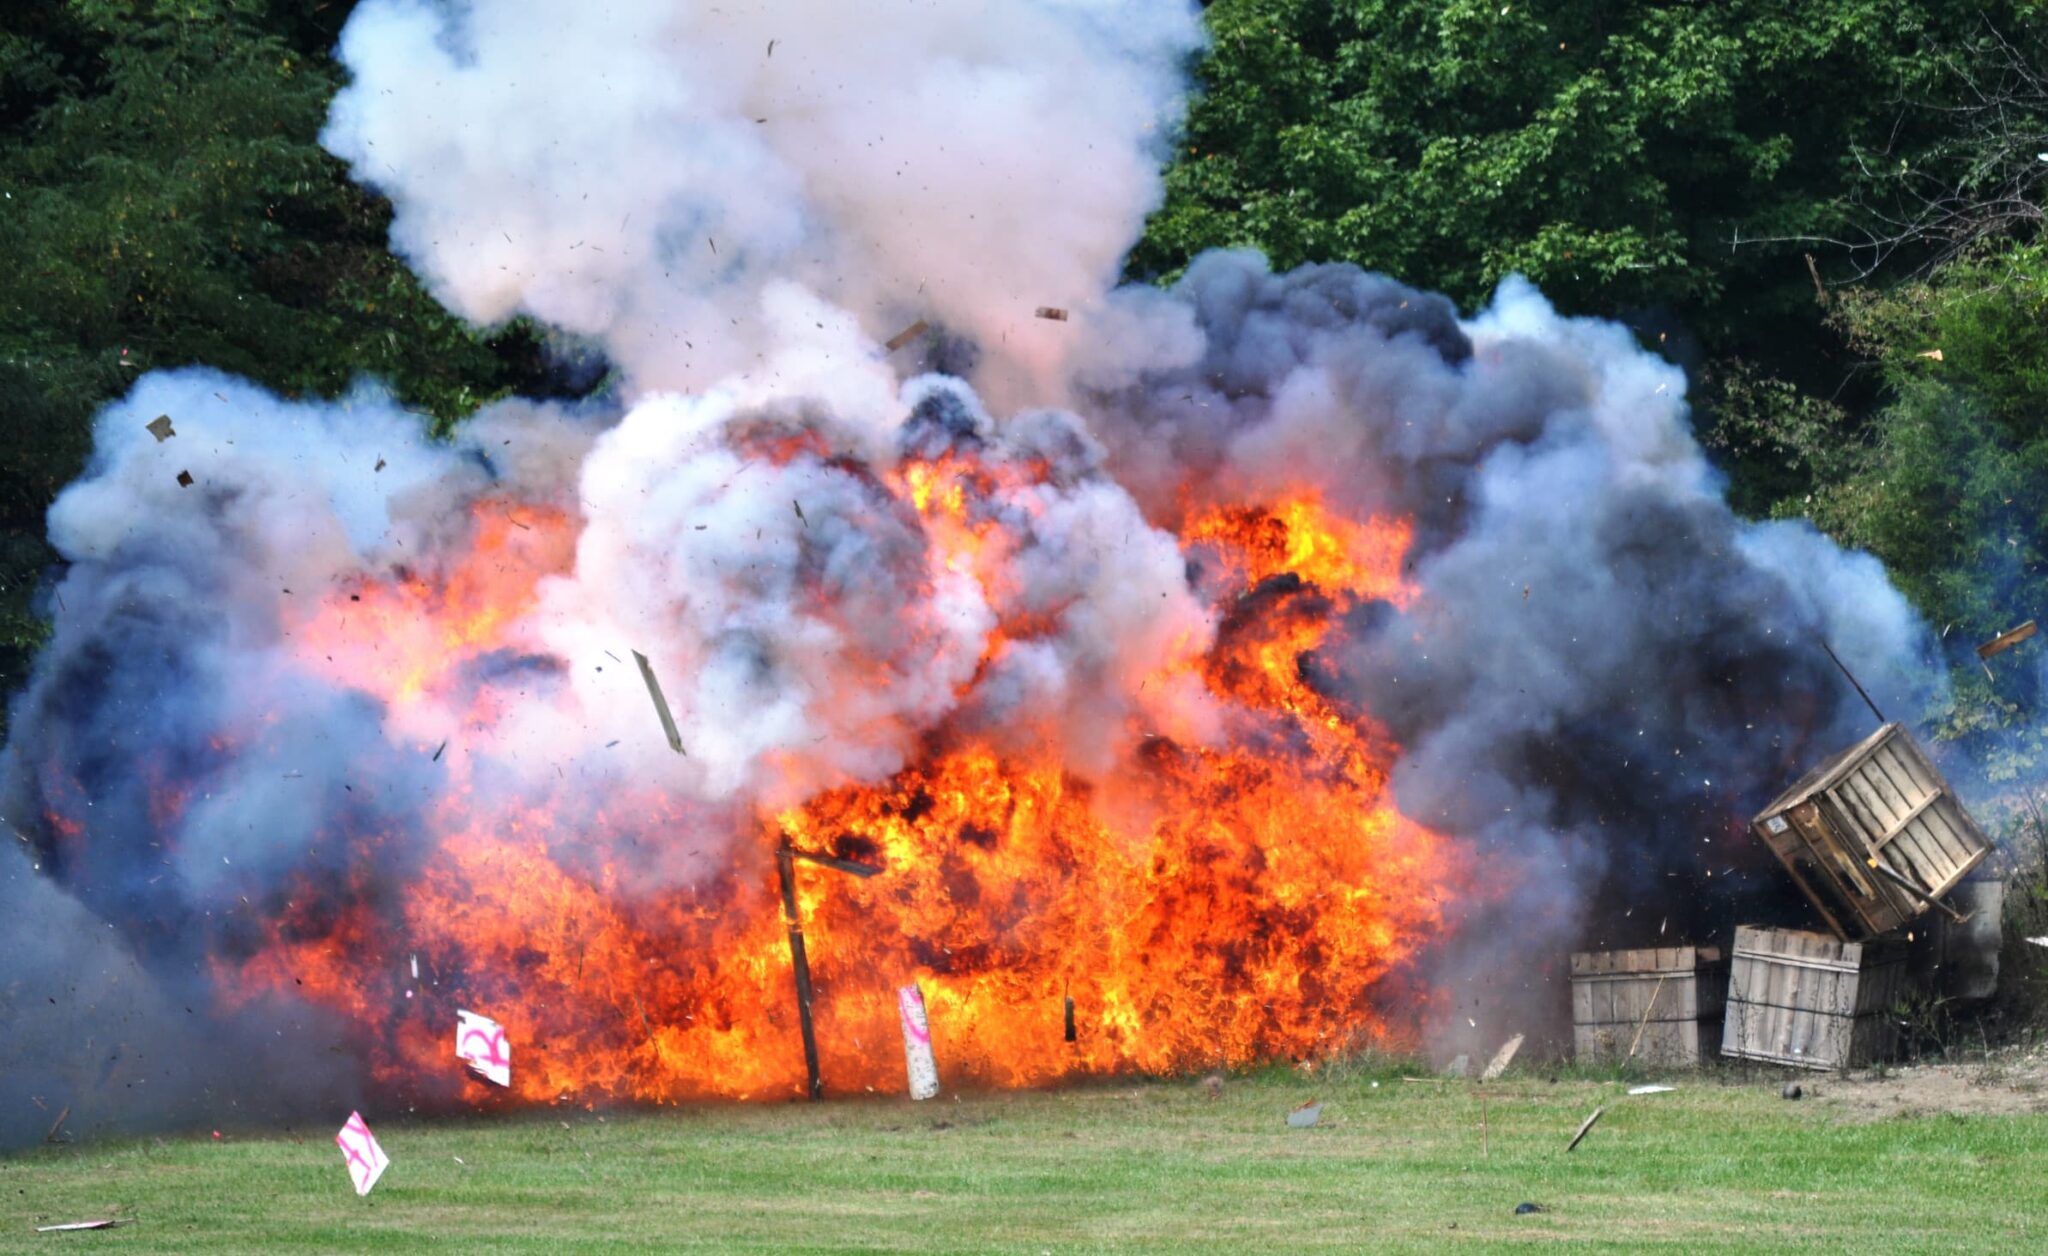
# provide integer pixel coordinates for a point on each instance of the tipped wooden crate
(1812, 1001)
(1664, 1004)
(1873, 836)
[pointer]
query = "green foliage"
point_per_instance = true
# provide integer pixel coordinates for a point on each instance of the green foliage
(1611, 152)
(166, 203)
(1945, 478)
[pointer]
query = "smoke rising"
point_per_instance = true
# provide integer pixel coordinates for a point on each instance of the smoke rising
(1605, 672)
(643, 178)
(343, 627)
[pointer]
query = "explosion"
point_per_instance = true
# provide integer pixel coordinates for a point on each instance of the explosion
(1259, 664)
(1254, 895)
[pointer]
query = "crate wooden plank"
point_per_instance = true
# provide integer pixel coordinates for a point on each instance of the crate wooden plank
(1663, 1001)
(1810, 1000)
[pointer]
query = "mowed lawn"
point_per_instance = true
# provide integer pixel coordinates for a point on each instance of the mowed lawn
(1134, 1167)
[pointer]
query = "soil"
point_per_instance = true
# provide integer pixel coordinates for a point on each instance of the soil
(2005, 1082)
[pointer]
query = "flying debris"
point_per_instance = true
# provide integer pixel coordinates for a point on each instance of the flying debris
(1501, 1059)
(481, 1044)
(668, 721)
(184, 479)
(1306, 1115)
(366, 1160)
(2006, 640)
(1585, 1126)
(1052, 313)
(908, 334)
(160, 427)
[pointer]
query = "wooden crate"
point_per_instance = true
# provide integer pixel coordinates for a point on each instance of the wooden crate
(1664, 1002)
(1812, 1001)
(1877, 808)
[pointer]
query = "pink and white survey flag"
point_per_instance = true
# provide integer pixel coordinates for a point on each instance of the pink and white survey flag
(366, 1160)
(917, 1044)
(480, 1043)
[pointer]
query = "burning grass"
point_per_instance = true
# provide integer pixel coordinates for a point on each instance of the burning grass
(1156, 1167)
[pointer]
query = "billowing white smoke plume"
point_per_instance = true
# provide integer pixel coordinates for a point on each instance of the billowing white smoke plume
(1603, 669)
(641, 174)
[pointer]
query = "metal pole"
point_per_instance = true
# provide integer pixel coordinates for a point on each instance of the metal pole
(1852, 680)
(785, 869)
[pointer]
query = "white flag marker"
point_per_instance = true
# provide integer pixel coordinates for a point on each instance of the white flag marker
(480, 1043)
(917, 1044)
(366, 1160)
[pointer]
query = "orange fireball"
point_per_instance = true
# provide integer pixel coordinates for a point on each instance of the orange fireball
(1202, 902)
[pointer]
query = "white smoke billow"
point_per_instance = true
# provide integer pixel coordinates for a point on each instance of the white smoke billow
(1602, 665)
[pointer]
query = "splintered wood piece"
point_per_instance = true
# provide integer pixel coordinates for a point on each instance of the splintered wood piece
(1501, 1059)
(668, 722)
(908, 334)
(1637, 1041)
(2006, 640)
(1584, 1127)
(1052, 312)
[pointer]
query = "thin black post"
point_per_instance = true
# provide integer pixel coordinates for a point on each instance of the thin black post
(785, 869)
(1852, 680)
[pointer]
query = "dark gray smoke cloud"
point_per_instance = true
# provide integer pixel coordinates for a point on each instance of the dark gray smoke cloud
(1604, 672)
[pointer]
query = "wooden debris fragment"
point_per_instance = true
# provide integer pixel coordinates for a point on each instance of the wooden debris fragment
(1501, 1059)
(2006, 640)
(1637, 1041)
(854, 866)
(160, 427)
(668, 722)
(103, 1223)
(58, 1124)
(184, 479)
(1584, 1127)
(1052, 313)
(1306, 1115)
(908, 334)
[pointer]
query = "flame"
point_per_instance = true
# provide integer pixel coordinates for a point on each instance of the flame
(1200, 903)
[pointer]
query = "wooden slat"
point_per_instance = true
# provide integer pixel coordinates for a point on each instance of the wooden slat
(1942, 826)
(1939, 843)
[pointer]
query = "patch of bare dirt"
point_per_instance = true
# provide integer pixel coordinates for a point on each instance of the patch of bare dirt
(2003, 1083)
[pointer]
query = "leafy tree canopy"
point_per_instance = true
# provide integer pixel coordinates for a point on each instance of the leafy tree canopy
(1612, 152)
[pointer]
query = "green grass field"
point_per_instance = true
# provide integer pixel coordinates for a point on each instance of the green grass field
(1134, 1167)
